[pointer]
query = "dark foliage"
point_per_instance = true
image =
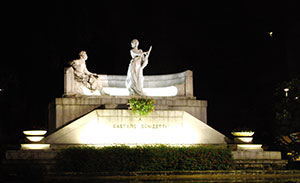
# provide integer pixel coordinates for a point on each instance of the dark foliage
(143, 158)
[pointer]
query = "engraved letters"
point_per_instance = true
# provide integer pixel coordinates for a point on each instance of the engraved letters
(143, 126)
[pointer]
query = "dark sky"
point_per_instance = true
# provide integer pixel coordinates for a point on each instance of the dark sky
(236, 64)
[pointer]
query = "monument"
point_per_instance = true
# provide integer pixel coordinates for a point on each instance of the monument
(94, 111)
(94, 108)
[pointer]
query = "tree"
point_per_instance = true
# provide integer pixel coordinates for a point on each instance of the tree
(287, 117)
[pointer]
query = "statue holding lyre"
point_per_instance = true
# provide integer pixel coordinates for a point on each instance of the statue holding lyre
(135, 78)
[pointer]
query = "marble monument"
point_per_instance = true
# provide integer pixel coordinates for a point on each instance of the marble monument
(94, 110)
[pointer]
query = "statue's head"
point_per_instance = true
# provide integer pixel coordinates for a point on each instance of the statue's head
(134, 43)
(83, 55)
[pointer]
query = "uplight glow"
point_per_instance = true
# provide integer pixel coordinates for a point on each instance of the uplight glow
(242, 134)
(35, 132)
(243, 139)
(249, 147)
(34, 138)
(35, 146)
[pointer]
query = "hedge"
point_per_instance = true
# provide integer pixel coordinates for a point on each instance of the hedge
(143, 158)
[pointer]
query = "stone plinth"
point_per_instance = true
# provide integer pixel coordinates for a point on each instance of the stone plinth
(112, 127)
(30, 154)
(64, 110)
(258, 160)
(260, 164)
(248, 155)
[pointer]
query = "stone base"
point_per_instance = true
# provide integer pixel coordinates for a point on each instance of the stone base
(257, 155)
(30, 154)
(103, 127)
(260, 164)
(64, 110)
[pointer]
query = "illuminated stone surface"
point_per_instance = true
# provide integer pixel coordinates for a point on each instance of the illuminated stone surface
(64, 110)
(256, 155)
(109, 127)
(35, 146)
(249, 147)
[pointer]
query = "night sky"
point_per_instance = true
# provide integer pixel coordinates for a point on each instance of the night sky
(236, 63)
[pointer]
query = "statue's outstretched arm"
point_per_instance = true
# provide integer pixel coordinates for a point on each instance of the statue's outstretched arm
(145, 63)
(148, 52)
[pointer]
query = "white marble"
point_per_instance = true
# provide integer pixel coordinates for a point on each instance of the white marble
(181, 84)
(135, 77)
(87, 82)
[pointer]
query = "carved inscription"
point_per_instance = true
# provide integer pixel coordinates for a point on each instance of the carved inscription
(143, 126)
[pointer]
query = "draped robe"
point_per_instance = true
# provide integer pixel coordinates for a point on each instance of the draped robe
(135, 78)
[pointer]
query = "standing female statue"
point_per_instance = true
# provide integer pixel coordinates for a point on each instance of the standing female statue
(135, 78)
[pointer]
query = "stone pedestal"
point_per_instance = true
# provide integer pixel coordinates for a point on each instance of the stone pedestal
(67, 109)
(105, 127)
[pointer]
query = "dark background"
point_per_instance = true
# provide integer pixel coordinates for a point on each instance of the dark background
(236, 64)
